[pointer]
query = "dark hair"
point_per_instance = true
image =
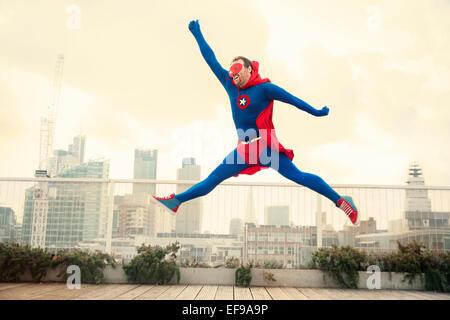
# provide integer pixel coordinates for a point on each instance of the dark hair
(247, 62)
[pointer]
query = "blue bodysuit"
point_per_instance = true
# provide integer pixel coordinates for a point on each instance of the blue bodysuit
(251, 107)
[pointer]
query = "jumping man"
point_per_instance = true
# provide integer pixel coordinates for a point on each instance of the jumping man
(251, 99)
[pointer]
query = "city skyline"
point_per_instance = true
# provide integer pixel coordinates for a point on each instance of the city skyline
(417, 218)
(228, 202)
(384, 75)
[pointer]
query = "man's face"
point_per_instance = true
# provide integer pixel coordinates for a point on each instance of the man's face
(240, 77)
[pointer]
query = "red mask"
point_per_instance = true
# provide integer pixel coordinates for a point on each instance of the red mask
(235, 69)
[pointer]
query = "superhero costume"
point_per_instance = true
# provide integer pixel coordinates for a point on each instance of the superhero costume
(252, 109)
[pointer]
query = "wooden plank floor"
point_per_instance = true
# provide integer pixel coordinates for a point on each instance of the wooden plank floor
(225, 293)
(207, 292)
(59, 291)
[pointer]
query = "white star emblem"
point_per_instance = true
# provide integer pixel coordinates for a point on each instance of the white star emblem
(243, 101)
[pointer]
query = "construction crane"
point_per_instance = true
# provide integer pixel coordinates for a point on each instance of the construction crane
(48, 123)
(42, 194)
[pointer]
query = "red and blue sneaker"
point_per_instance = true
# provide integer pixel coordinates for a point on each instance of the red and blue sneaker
(169, 202)
(346, 204)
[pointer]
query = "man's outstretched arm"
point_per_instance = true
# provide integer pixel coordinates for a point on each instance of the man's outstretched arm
(207, 52)
(274, 92)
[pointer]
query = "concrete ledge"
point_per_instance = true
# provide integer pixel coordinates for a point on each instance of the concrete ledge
(52, 276)
(223, 276)
(114, 275)
(316, 279)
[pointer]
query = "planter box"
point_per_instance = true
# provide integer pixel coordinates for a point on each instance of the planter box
(112, 275)
(223, 276)
(51, 276)
(315, 279)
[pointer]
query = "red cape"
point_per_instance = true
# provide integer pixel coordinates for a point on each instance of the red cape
(266, 129)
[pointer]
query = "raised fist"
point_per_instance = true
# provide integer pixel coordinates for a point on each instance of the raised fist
(194, 26)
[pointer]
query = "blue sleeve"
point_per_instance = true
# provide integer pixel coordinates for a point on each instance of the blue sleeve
(210, 58)
(274, 92)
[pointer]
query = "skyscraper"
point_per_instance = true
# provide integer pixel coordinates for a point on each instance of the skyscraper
(7, 224)
(417, 199)
(145, 164)
(64, 160)
(189, 215)
(74, 212)
(78, 148)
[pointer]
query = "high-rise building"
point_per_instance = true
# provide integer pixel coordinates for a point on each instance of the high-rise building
(64, 160)
(416, 199)
(72, 212)
(419, 223)
(7, 224)
(145, 164)
(432, 228)
(190, 214)
(136, 215)
(78, 148)
(276, 215)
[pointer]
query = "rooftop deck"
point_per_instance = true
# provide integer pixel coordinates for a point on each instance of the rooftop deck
(59, 291)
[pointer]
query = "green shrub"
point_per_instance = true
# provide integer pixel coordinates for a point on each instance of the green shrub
(414, 260)
(15, 260)
(243, 275)
(153, 264)
(340, 263)
(39, 263)
(91, 264)
(437, 274)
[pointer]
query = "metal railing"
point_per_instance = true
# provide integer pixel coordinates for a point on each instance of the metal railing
(116, 216)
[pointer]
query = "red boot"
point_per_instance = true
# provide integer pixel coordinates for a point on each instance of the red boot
(346, 204)
(169, 202)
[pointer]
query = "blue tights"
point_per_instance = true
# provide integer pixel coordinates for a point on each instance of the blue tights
(285, 167)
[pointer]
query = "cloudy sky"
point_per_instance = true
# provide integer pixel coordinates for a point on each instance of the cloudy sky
(134, 78)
